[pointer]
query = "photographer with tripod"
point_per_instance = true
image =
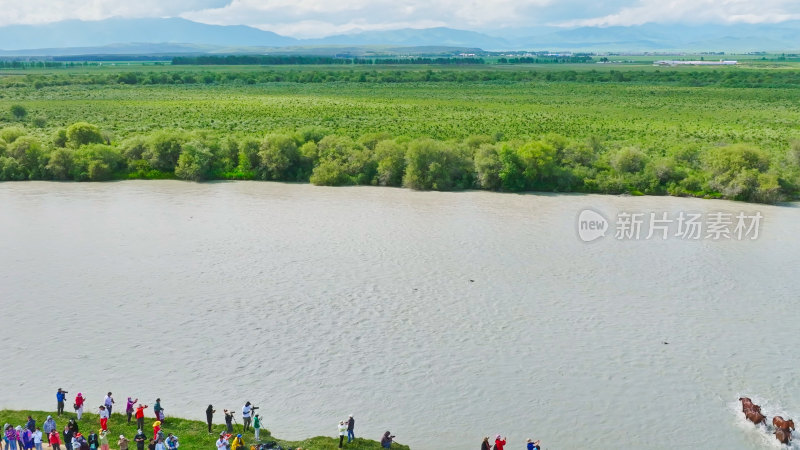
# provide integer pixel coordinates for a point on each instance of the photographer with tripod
(247, 411)
(228, 420)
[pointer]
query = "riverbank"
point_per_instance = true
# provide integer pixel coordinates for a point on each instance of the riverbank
(192, 434)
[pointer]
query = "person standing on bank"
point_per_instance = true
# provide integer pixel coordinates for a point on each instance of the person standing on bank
(129, 408)
(140, 439)
(108, 402)
(257, 426)
(351, 423)
(103, 413)
(228, 420)
(157, 409)
(210, 416)
(49, 425)
(140, 416)
(485, 444)
(342, 431)
(79, 400)
(61, 395)
(246, 411)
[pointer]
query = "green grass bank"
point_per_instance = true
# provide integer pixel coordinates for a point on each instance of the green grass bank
(192, 434)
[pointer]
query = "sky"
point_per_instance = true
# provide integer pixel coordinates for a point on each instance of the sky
(318, 18)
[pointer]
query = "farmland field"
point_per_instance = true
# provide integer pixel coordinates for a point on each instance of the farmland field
(680, 131)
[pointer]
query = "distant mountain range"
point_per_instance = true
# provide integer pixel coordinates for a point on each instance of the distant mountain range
(178, 36)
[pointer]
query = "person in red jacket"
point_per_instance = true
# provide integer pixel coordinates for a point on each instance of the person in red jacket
(55, 440)
(140, 416)
(499, 443)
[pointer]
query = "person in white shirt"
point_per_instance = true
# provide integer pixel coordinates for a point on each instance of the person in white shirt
(222, 443)
(246, 410)
(108, 402)
(37, 438)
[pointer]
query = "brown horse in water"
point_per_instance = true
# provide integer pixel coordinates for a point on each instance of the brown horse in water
(783, 436)
(755, 417)
(746, 403)
(782, 424)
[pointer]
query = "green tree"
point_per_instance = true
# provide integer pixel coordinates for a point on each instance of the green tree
(31, 156)
(96, 162)
(391, 159)
(163, 149)
(60, 165)
(10, 134)
(83, 133)
(278, 156)
(18, 111)
(194, 162)
(488, 167)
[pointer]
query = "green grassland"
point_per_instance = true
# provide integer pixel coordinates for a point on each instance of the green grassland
(729, 132)
(191, 434)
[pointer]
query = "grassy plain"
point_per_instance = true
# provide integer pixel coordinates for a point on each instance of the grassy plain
(660, 112)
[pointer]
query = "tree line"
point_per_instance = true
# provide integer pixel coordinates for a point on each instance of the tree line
(83, 152)
(724, 78)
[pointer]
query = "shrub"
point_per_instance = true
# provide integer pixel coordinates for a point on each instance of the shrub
(628, 160)
(436, 165)
(31, 156)
(96, 162)
(194, 162)
(60, 164)
(11, 169)
(391, 159)
(488, 167)
(163, 149)
(278, 156)
(10, 134)
(18, 111)
(82, 133)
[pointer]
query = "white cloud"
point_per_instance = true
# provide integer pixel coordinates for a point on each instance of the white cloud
(314, 18)
(45, 11)
(697, 11)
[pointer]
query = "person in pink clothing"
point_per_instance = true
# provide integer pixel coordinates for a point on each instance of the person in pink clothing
(79, 401)
(499, 443)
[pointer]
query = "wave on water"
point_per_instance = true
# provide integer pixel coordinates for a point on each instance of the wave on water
(761, 435)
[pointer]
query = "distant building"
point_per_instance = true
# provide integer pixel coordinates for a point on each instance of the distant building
(695, 63)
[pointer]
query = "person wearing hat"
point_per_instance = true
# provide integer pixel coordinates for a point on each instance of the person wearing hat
(122, 442)
(257, 426)
(140, 439)
(533, 445)
(238, 443)
(342, 431)
(222, 443)
(172, 442)
(79, 401)
(49, 425)
(499, 443)
(61, 395)
(104, 440)
(485, 444)
(129, 407)
(156, 428)
(351, 423)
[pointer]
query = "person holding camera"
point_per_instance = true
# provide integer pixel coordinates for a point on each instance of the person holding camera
(61, 395)
(210, 416)
(247, 411)
(386, 440)
(228, 420)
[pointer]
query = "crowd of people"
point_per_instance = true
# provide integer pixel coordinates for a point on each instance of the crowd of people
(500, 444)
(31, 436)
